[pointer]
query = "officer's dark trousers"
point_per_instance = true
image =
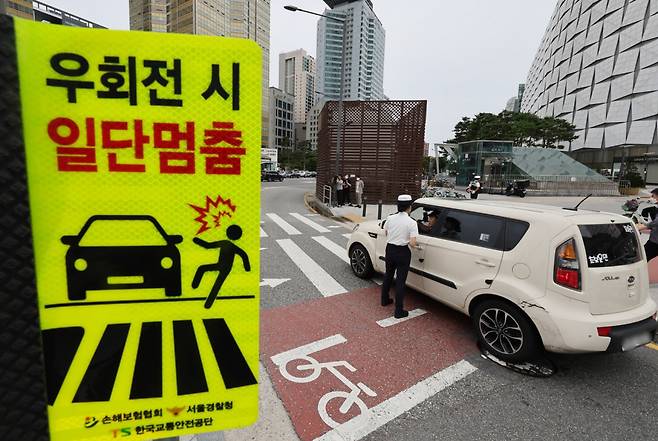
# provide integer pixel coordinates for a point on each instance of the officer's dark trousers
(398, 259)
(651, 250)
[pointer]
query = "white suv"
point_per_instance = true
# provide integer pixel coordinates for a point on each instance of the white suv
(530, 276)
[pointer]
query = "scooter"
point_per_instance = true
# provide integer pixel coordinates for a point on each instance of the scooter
(517, 188)
(641, 212)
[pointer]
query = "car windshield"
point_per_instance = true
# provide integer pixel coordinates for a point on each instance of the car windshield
(610, 244)
(122, 232)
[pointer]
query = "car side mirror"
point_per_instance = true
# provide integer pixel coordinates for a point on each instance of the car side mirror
(174, 239)
(69, 240)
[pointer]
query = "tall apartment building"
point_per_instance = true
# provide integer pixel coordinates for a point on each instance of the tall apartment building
(297, 77)
(226, 18)
(364, 70)
(38, 11)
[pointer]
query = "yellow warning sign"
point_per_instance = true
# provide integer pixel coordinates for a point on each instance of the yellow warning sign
(143, 155)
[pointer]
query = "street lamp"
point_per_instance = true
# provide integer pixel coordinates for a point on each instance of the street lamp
(342, 74)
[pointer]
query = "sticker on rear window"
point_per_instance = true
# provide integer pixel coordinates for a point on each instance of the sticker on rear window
(484, 237)
(628, 228)
(599, 258)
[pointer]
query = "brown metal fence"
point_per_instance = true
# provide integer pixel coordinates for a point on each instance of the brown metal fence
(382, 142)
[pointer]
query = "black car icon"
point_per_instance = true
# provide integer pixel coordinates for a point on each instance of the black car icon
(122, 252)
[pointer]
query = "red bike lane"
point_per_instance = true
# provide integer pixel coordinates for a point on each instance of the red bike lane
(335, 346)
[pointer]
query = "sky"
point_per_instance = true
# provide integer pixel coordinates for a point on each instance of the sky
(462, 56)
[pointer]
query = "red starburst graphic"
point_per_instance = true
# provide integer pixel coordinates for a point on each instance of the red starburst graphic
(211, 215)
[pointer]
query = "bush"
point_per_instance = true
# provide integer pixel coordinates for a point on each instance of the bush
(634, 178)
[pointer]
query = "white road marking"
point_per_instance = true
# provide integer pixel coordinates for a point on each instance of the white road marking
(273, 283)
(262, 232)
(334, 226)
(378, 279)
(317, 227)
(307, 349)
(312, 215)
(394, 321)
(387, 411)
(327, 285)
(347, 235)
(292, 231)
(333, 247)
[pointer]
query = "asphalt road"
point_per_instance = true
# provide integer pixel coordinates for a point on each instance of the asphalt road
(591, 397)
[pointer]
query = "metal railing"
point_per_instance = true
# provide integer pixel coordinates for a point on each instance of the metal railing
(326, 195)
(556, 185)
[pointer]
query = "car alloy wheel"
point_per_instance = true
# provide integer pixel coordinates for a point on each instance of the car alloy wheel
(360, 262)
(501, 331)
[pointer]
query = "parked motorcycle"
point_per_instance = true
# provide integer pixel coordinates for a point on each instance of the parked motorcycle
(641, 212)
(517, 188)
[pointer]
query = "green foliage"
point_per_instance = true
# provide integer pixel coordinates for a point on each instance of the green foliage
(302, 158)
(633, 177)
(525, 129)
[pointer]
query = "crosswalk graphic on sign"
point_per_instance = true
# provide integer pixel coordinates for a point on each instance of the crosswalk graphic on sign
(98, 382)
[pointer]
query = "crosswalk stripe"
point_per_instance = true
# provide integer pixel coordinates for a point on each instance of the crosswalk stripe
(98, 382)
(232, 364)
(327, 285)
(190, 377)
(285, 226)
(147, 378)
(317, 227)
(59, 348)
(333, 247)
(262, 232)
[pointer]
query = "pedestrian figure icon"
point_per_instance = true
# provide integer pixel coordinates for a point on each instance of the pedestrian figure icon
(224, 265)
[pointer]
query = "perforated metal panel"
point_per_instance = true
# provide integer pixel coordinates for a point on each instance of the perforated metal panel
(382, 142)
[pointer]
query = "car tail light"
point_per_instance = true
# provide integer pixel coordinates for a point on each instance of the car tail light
(567, 269)
(604, 331)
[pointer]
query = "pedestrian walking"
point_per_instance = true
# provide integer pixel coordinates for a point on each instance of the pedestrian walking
(651, 247)
(401, 233)
(358, 191)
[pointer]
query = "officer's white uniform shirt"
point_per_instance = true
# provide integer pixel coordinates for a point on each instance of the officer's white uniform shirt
(400, 228)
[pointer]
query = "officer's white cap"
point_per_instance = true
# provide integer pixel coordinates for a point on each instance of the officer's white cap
(404, 198)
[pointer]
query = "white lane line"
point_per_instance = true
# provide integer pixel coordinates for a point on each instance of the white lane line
(327, 285)
(285, 226)
(335, 226)
(387, 411)
(393, 321)
(312, 215)
(317, 227)
(262, 232)
(333, 247)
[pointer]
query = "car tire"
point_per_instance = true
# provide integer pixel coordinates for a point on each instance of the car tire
(360, 262)
(495, 318)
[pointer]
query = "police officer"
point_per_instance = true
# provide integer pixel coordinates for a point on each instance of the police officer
(401, 232)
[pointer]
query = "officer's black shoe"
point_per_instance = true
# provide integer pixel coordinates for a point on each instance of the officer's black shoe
(401, 314)
(387, 302)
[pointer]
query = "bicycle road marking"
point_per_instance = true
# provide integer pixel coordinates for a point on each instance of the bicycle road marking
(385, 323)
(375, 417)
(317, 227)
(325, 284)
(285, 226)
(309, 348)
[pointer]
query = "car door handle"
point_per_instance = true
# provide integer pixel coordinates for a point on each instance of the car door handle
(421, 260)
(485, 263)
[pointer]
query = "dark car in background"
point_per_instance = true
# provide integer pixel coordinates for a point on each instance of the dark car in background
(271, 175)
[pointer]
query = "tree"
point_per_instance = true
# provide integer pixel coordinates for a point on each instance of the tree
(523, 129)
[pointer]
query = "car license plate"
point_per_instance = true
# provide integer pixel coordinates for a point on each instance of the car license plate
(634, 341)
